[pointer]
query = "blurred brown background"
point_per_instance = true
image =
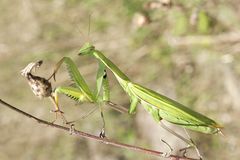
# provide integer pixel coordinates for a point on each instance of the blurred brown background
(187, 50)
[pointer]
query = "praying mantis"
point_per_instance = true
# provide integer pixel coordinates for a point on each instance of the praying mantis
(159, 106)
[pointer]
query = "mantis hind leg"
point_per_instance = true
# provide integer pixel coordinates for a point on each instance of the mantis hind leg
(155, 114)
(189, 141)
(195, 147)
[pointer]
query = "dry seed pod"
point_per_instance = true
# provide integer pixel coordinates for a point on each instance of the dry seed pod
(40, 86)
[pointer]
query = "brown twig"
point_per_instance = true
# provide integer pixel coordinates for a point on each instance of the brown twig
(96, 138)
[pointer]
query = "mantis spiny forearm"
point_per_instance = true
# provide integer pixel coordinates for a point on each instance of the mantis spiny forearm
(80, 91)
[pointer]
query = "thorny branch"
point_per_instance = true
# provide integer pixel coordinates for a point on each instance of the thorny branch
(96, 138)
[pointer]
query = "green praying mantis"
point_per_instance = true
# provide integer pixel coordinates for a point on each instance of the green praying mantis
(159, 106)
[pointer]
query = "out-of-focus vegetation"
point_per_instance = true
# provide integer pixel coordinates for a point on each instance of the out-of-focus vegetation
(187, 50)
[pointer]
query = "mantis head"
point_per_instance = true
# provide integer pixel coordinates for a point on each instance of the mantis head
(86, 49)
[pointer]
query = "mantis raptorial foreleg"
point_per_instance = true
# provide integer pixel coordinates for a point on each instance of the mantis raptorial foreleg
(81, 91)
